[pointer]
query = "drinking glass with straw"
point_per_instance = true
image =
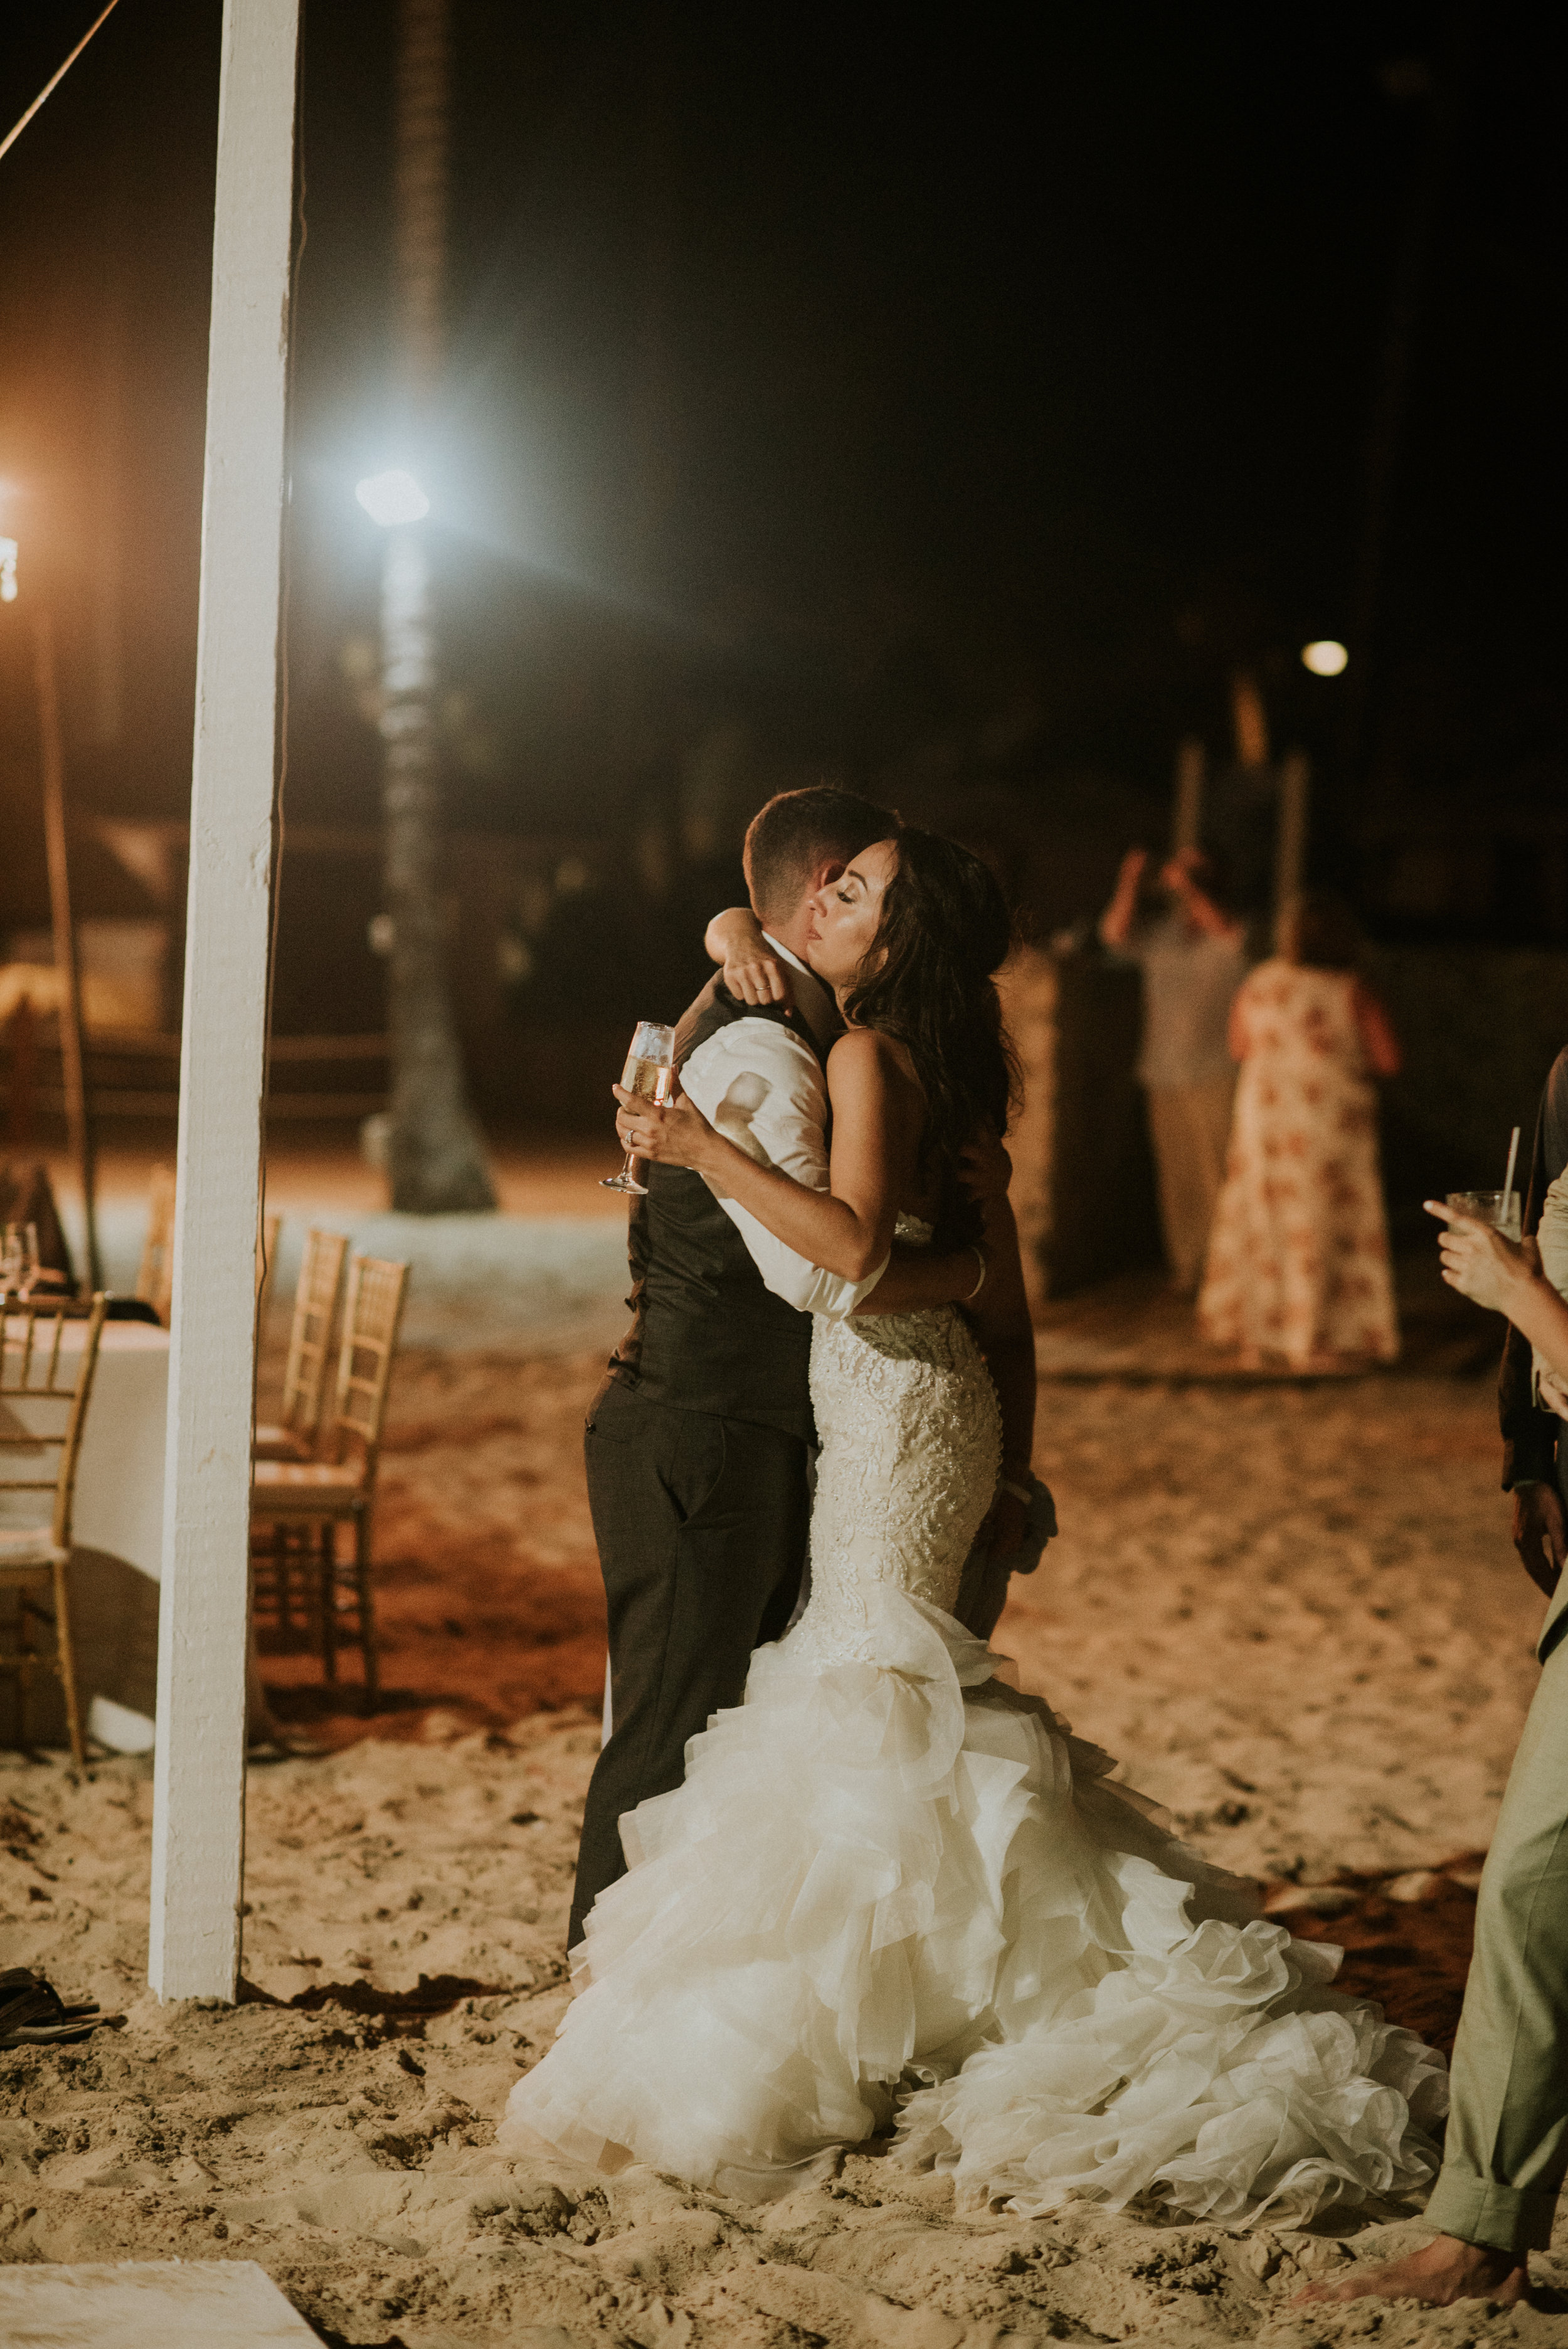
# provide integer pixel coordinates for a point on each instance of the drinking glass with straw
(1502, 1209)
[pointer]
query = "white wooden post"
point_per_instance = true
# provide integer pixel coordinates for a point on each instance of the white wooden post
(199, 1787)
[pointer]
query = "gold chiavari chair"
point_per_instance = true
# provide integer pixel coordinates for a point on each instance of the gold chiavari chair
(298, 1505)
(154, 1276)
(44, 1391)
(293, 1435)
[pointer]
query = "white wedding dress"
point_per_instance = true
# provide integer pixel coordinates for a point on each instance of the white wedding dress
(893, 1893)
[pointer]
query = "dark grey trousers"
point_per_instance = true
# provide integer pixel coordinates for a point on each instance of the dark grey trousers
(701, 1524)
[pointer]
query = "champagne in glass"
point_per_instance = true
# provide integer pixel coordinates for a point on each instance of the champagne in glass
(649, 1072)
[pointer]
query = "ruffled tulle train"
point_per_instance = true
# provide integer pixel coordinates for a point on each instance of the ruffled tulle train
(900, 1895)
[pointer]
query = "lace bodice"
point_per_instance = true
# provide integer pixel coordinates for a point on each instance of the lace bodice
(911, 1445)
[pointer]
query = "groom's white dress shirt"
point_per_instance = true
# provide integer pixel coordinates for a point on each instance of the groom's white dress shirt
(762, 1087)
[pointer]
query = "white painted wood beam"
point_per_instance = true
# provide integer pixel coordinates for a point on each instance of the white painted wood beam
(198, 1846)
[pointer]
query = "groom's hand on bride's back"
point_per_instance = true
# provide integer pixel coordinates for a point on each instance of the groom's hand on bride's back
(1006, 1526)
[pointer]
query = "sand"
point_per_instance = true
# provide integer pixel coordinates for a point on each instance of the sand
(1291, 1611)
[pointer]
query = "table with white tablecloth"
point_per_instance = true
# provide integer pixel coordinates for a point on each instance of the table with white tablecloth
(117, 1538)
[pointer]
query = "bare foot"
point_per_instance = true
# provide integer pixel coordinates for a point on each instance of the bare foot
(1445, 2270)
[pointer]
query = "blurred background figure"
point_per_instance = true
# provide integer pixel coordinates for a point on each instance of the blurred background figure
(1298, 1263)
(1193, 954)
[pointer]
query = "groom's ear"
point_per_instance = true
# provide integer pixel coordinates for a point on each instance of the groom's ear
(821, 874)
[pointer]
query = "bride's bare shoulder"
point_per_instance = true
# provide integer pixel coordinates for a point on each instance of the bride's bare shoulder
(864, 1057)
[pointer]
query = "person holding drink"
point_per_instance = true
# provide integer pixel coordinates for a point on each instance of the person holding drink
(1507, 2148)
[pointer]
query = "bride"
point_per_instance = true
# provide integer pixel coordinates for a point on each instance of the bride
(893, 1893)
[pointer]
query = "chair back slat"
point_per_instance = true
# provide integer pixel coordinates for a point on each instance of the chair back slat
(30, 1372)
(311, 1331)
(155, 1275)
(372, 1309)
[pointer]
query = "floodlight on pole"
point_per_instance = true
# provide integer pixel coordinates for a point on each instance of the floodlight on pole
(392, 497)
(1325, 657)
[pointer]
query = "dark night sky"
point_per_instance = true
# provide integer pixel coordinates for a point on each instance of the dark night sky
(992, 376)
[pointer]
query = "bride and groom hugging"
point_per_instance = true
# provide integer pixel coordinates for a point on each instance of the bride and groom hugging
(838, 1876)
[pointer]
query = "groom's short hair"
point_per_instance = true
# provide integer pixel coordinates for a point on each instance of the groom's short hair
(797, 830)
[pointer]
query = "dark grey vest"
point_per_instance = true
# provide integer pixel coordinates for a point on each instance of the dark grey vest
(706, 1334)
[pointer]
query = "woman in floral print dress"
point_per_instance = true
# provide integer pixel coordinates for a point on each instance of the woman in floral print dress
(1298, 1261)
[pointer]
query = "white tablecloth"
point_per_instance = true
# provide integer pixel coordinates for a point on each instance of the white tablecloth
(117, 1535)
(120, 1475)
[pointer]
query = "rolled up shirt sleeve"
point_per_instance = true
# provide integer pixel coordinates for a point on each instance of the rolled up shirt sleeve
(763, 1089)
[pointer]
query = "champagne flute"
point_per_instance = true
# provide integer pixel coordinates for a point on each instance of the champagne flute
(650, 1072)
(11, 1261)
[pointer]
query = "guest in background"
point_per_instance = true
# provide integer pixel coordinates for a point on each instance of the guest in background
(1506, 2153)
(1298, 1263)
(1192, 955)
(1535, 1462)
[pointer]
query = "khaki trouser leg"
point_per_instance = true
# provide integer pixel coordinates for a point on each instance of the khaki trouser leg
(1191, 1126)
(1507, 2150)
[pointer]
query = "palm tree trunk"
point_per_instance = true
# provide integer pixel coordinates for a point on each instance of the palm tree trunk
(435, 1153)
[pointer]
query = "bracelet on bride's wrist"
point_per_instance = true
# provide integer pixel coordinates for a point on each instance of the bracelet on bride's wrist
(1018, 1491)
(979, 1256)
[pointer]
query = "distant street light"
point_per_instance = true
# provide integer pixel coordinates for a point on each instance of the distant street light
(1324, 657)
(7, 571)
(394, 498)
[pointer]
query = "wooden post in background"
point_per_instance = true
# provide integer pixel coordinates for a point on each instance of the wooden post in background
(1250, 717)
(198, 1783)
(1187, 814)
(73, 1074)
(1290, 833)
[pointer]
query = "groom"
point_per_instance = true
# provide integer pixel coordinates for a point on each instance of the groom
(699, 1442)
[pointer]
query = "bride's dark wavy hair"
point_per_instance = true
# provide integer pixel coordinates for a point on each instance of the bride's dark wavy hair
(928, 980)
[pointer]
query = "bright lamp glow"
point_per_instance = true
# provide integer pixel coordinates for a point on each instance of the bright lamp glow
(391, 498)
(7, 571)
(1324, 659)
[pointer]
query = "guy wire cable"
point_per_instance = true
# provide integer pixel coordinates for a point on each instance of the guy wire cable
(52, 83)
